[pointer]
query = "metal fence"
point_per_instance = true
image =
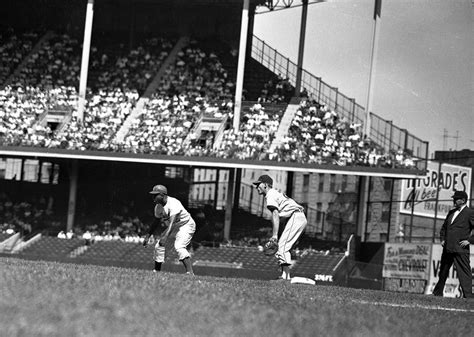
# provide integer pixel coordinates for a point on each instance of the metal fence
(382, 132)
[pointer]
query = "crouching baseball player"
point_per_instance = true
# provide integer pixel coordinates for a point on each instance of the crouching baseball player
(285, 212)
(171, 214)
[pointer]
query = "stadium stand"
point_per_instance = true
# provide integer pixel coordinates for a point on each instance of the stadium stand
(195, 85)
(56, 63)
(215, 254)
(107, 250)
(252, 258)
(48, 246)
(115, 66)
(316, 263)
(138, 253)
(253, 140)
(24, 216)
(319, 135)
(14, 47)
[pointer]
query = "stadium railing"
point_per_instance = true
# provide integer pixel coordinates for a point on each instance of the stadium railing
(382, 131)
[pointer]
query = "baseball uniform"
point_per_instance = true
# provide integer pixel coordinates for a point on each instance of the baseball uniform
(292, 216)
(183, 223)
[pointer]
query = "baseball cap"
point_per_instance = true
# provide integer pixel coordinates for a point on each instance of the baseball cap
(266, 179)
(459, 195)
(159, 189)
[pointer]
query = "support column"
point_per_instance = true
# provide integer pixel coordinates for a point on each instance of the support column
(250, 28)
(86, 46)
(392, 189)
(299, 70)
(22, 172)
(436, 205)
(412, 213)
(289, 183)
(71, 211)
(373, 61)
(362, 207)
(40, 171)
(238, 184)
(216, 188)
(241, 65)
(229, 203)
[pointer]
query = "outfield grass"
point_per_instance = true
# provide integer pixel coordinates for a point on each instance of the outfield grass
(54, 299)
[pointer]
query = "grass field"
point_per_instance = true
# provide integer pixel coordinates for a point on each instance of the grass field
(52, 299)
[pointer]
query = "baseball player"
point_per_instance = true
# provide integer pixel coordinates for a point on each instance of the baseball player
(173, 216)
(285, 212)
(155, 231)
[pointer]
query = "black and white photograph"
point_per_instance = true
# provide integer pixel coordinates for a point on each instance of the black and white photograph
(236, 168)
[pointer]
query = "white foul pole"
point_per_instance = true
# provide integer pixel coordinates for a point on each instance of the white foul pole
(373, 62)
(241, 65)
(86, 47)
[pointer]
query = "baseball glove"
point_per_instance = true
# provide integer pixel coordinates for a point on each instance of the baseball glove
(271, 247)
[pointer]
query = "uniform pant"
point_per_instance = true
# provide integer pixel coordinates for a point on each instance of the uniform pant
(293, 230)
(183, 238)
(463, 269)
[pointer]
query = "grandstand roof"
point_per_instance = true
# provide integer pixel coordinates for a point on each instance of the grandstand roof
(186, 3)
(207, 162)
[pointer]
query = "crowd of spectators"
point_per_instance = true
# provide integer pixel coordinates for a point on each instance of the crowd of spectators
(123, 223)
(21, 109)
(319, 135)
(43, 85)
(278, 90)
(21, 216)
(113, 95)
(253, 140)
(55, 64)
(162, 127)
(197, 73)
(115, 66)
(14, 47)
(196, 84)
(104, 114)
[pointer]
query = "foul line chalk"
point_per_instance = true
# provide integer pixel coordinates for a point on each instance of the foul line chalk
(416, 306)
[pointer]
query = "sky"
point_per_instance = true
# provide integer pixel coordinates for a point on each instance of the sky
(423, 68)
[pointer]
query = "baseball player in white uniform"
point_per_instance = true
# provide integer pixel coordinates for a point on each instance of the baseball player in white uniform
(174, 216)
(285, 211)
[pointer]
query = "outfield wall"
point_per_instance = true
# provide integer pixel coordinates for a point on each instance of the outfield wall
(414, 268)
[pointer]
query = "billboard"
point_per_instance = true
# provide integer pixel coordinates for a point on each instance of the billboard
(439, 183)
(451, 288)
(406, 260)
(406, 267)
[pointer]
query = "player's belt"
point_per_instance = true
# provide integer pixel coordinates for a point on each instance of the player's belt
(299, 210)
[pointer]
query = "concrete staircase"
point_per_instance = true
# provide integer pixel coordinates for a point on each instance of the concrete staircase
(78, 251)
(137, 111)
(20, 244)
(285, 124)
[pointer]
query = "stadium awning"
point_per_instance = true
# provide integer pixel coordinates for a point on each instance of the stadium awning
(210, 162)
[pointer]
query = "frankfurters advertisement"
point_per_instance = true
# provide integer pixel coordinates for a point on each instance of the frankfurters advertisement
(439, 184)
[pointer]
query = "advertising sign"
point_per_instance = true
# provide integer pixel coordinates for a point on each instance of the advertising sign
(406, 261)
(445, 178)
(401, 285)
(451, 288)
